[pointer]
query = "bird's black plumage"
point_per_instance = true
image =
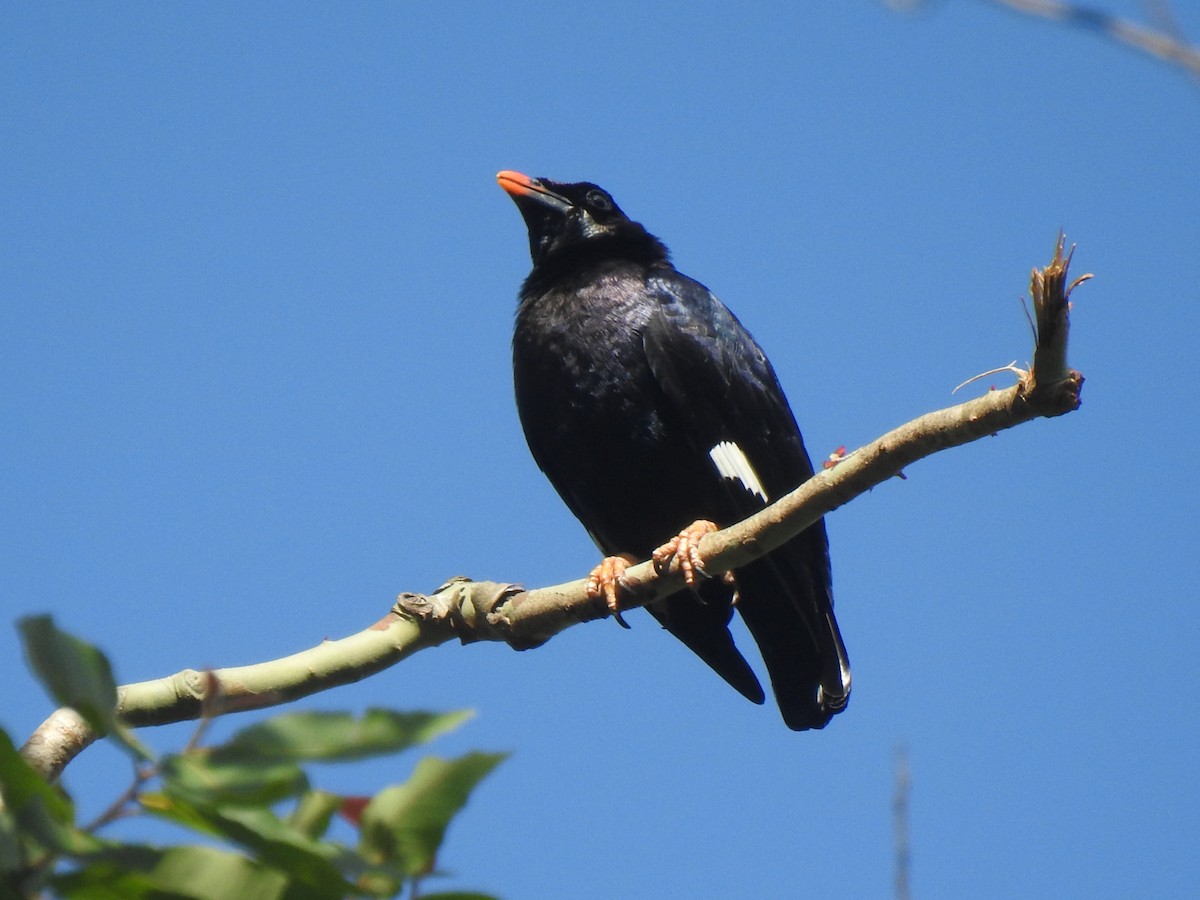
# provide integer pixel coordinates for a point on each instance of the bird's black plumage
(648, 406)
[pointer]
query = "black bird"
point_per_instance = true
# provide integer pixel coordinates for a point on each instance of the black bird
(648, 406)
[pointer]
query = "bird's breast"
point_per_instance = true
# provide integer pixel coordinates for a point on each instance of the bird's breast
(584, 388)
(584, 345)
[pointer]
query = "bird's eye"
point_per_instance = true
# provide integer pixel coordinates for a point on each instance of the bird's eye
(598, 201)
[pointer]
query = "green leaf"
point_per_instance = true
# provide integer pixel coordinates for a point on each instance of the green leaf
(205, 779)
(195, 873)
(270, 840)
(313, 813)
(77, 675)
(371, 880)
(107, 881)
(113, 872)
(219, 874)
(334, 736)
(405, 824)
(10, 846)
(21, 785)
(39, 811)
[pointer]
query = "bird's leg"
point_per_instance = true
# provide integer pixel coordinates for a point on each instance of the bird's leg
(605, 579)
(686, 547)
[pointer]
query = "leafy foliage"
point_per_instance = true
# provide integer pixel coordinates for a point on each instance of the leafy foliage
(250, 795)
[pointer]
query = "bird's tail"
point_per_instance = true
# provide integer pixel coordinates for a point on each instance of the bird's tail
(701, 621)
(788, 608)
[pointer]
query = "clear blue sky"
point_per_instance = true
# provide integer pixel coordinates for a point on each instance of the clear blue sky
(258, 286)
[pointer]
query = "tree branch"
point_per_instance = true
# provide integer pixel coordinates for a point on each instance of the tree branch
(488, 611)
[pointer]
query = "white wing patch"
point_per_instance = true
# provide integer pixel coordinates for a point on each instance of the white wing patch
(731, 462)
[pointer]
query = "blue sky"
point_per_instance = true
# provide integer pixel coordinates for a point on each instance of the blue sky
(258, 286)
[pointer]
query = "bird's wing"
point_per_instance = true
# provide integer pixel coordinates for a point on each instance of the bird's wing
(719, 383)
(723, 393)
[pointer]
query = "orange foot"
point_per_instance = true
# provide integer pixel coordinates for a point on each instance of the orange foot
(686, 547)
(605, 579)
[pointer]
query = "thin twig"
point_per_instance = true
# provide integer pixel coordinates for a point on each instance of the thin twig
(119, 808)
(1165, 41)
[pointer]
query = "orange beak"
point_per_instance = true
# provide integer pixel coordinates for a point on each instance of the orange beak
(516, 184)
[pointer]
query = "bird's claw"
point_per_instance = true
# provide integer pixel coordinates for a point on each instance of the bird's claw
(685, 546)
(604, 581)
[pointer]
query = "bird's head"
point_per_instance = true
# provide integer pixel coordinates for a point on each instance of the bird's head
(565, 219)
